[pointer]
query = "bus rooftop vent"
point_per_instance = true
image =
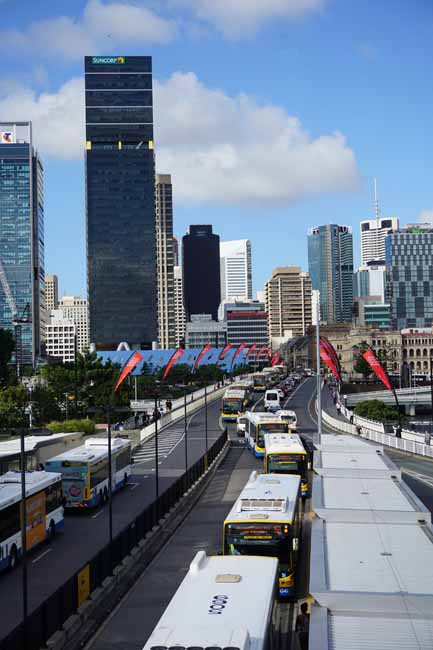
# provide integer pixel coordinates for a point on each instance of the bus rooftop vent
(276, 505)
(228, 578)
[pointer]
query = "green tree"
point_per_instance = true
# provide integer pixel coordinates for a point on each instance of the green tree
(13, 402)
(361, 366)
(377, 410)
(7, 346)
(45, 407)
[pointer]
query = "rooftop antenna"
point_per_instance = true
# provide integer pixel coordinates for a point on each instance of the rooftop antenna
(376, 202)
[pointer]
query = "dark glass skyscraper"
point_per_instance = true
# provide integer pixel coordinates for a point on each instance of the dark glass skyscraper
(22, 239)
(120, 190)
(330, 265)
(201, 271)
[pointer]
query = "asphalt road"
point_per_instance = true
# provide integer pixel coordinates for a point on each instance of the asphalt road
(131, 623)
(51, 565)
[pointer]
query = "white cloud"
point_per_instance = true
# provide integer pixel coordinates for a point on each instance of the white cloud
(236, 18)
(102, 26)
(232, 150)
(58, 118)
(218, 148)
(426, 216)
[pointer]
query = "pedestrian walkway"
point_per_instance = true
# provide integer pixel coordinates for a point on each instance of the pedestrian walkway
(167, 440)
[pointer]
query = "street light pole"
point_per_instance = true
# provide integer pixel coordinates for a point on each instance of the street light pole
(185, 428)
(431, 392)
(75, 376)
(24, 538)
(319, 387)
(155, 415)
(205, 420)
(110, 478)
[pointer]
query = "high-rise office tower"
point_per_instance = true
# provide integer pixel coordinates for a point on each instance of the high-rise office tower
(370, 280)
(330, 265)
(373, 233)
(288, 303)
(120, 188)
(201, 271)
(51, 292)
(179, 311)
(236, 270)
(76, 309)
(247, 322)
(165, 262)
(22, 286)
(408, 256)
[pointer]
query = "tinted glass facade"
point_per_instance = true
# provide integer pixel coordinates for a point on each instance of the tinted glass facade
(330, 264)
(120, 188)
(22, 239)
(201, 271)
(409, 256)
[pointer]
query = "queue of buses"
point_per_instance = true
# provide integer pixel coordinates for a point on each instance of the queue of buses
(261, 544)
(75, 479)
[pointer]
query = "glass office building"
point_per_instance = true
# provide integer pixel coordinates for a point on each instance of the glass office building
(22, 240)
(330, 266)
(408, 256)
(120, 192)
(201, 272)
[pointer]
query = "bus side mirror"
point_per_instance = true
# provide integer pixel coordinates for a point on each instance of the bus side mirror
(295, 543)
(309, 464)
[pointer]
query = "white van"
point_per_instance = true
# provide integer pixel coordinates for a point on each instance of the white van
(272, 400)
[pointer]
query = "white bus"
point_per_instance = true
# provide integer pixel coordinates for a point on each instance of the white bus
(85, 471)
(222, 603)
(266, 520)
(233, 403)
(44, 512)
(290, 418)
(285, 454)
(257, 425)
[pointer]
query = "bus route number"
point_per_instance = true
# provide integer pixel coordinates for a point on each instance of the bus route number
(218, 604)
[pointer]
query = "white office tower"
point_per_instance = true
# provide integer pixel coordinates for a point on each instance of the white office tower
(373, 233)
(76, 309)
(179, 310)
(236, 270)
(60, 335)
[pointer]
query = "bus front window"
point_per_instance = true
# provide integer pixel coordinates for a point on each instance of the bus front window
(286, 464)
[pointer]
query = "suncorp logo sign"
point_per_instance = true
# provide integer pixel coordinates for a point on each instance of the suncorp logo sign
(110, 60)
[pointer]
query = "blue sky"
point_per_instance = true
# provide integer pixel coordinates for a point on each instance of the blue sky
(271, 116)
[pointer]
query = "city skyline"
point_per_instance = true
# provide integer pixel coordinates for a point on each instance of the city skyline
(359, 98)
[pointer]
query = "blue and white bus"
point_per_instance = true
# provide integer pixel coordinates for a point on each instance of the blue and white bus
(85, 471)
(44, 512)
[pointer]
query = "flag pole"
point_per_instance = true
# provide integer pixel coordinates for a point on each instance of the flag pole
(319, 387)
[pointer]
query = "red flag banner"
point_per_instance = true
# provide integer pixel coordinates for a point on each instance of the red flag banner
(377, 368)
(329, 362)
(269, 354)
(205, 349)
(179, 352)
(241, 347)
(275, 359)
(329, 350)
(224, 351)
(262, 349)
(129, 366)
(252, 348)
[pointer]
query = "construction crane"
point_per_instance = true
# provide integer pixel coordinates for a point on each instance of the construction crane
(17, 321)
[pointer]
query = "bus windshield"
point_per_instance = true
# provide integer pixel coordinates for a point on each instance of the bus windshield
(258, 539)
(269, 427)
(287, 464)
(232, 405)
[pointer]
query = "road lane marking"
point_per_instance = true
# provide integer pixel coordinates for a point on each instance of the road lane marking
(97, 514)
(41, 555)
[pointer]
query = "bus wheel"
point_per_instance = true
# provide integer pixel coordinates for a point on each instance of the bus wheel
(52, 532)
(105, 495)
(13, 558)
